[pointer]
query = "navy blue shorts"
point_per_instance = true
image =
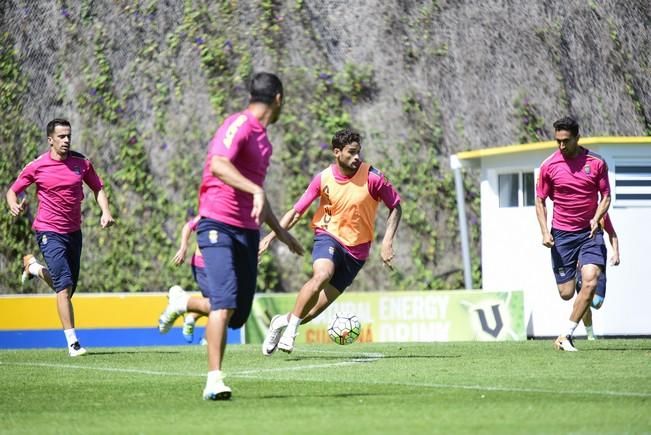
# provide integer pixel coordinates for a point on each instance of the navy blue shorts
(231, 257)
(201, 278)
(62, 254)
(571, 247)
(346, 266)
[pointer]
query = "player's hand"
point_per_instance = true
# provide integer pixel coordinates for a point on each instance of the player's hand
(179, 257)
(106, 220)
(259, 206)
(17, 208)
(387, 255)
(290, 241)
(594, 226)
(548, 240)
(614, 260)
(264, 244)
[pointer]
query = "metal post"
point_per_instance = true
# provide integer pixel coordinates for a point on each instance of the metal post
(463, 223)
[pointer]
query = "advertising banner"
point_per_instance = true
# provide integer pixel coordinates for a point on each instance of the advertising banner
(422, 316)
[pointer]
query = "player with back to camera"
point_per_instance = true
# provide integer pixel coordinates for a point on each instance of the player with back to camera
(576, 180)
(349, 191)
(232, 204)
(59, 175)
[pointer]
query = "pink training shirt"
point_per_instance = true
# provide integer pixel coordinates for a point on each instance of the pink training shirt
(197, 258)
(573, 185)
(59, 190)
(379, 188)
(242, 139)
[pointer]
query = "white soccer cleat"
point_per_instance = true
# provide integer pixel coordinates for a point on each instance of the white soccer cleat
(217, 391)
(75, 349)
(286, 343)
(270, 343)
(591, 337)
(176, 305)
(564, 342)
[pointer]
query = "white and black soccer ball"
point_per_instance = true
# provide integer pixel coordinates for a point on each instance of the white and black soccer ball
(344, 328)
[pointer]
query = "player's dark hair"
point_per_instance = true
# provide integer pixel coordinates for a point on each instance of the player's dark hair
(345, 137)
(567, 123)
(264, 87)
(52, 125)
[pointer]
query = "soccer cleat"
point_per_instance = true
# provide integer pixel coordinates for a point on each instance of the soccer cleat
(76, 349)
(270, 343)
(564, 342)
(203, 342)
(25, 275)
(286, 343)
(176, 305)
(188, 329)
(217, 391)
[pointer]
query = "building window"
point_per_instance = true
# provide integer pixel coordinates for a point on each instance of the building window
(633, 183)
(516, 189)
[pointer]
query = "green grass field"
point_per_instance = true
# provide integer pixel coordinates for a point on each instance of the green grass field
(515, 387)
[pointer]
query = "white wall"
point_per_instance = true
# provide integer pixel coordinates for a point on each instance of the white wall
(513, 256)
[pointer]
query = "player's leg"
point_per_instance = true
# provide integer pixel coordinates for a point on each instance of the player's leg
(587, 322)
(230, 255)
(326, 297)
(323, 270)
(32, 268)
(62, 253)
(565, 256)
(592, 256)
(196, 307)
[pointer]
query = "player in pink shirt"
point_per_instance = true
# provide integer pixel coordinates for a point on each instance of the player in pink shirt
(232, 204)
(576, 180)
(58, 175)
(349, 192)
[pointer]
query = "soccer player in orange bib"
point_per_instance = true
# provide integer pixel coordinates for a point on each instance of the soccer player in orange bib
(349, 191)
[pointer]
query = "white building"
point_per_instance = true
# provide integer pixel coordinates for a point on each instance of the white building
(513, 257)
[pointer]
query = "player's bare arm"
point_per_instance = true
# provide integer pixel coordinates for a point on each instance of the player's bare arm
(15, 207)
(287, 221)
(107, 219)
(393, 220)
(541, 214)
(282, 233)
(604, 204)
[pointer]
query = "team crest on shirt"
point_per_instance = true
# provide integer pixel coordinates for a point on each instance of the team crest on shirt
(331, 250)
(213, 236)
(586, 169)
(44, 240)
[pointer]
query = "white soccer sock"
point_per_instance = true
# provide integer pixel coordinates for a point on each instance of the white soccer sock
(35, 268)
(280, 322)
(589, 331)
(71, 336)
(190, 319)
(292, 325)
(571, 326)
(214, 376)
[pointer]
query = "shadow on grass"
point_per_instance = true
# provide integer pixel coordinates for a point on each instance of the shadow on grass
(127, 352)
(334, 395)
(362, 358)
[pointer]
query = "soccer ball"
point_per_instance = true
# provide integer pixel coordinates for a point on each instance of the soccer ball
(344, 328)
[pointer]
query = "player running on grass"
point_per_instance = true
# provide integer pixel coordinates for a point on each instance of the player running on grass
(573, 178)
(349, 191)
(232, 205)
